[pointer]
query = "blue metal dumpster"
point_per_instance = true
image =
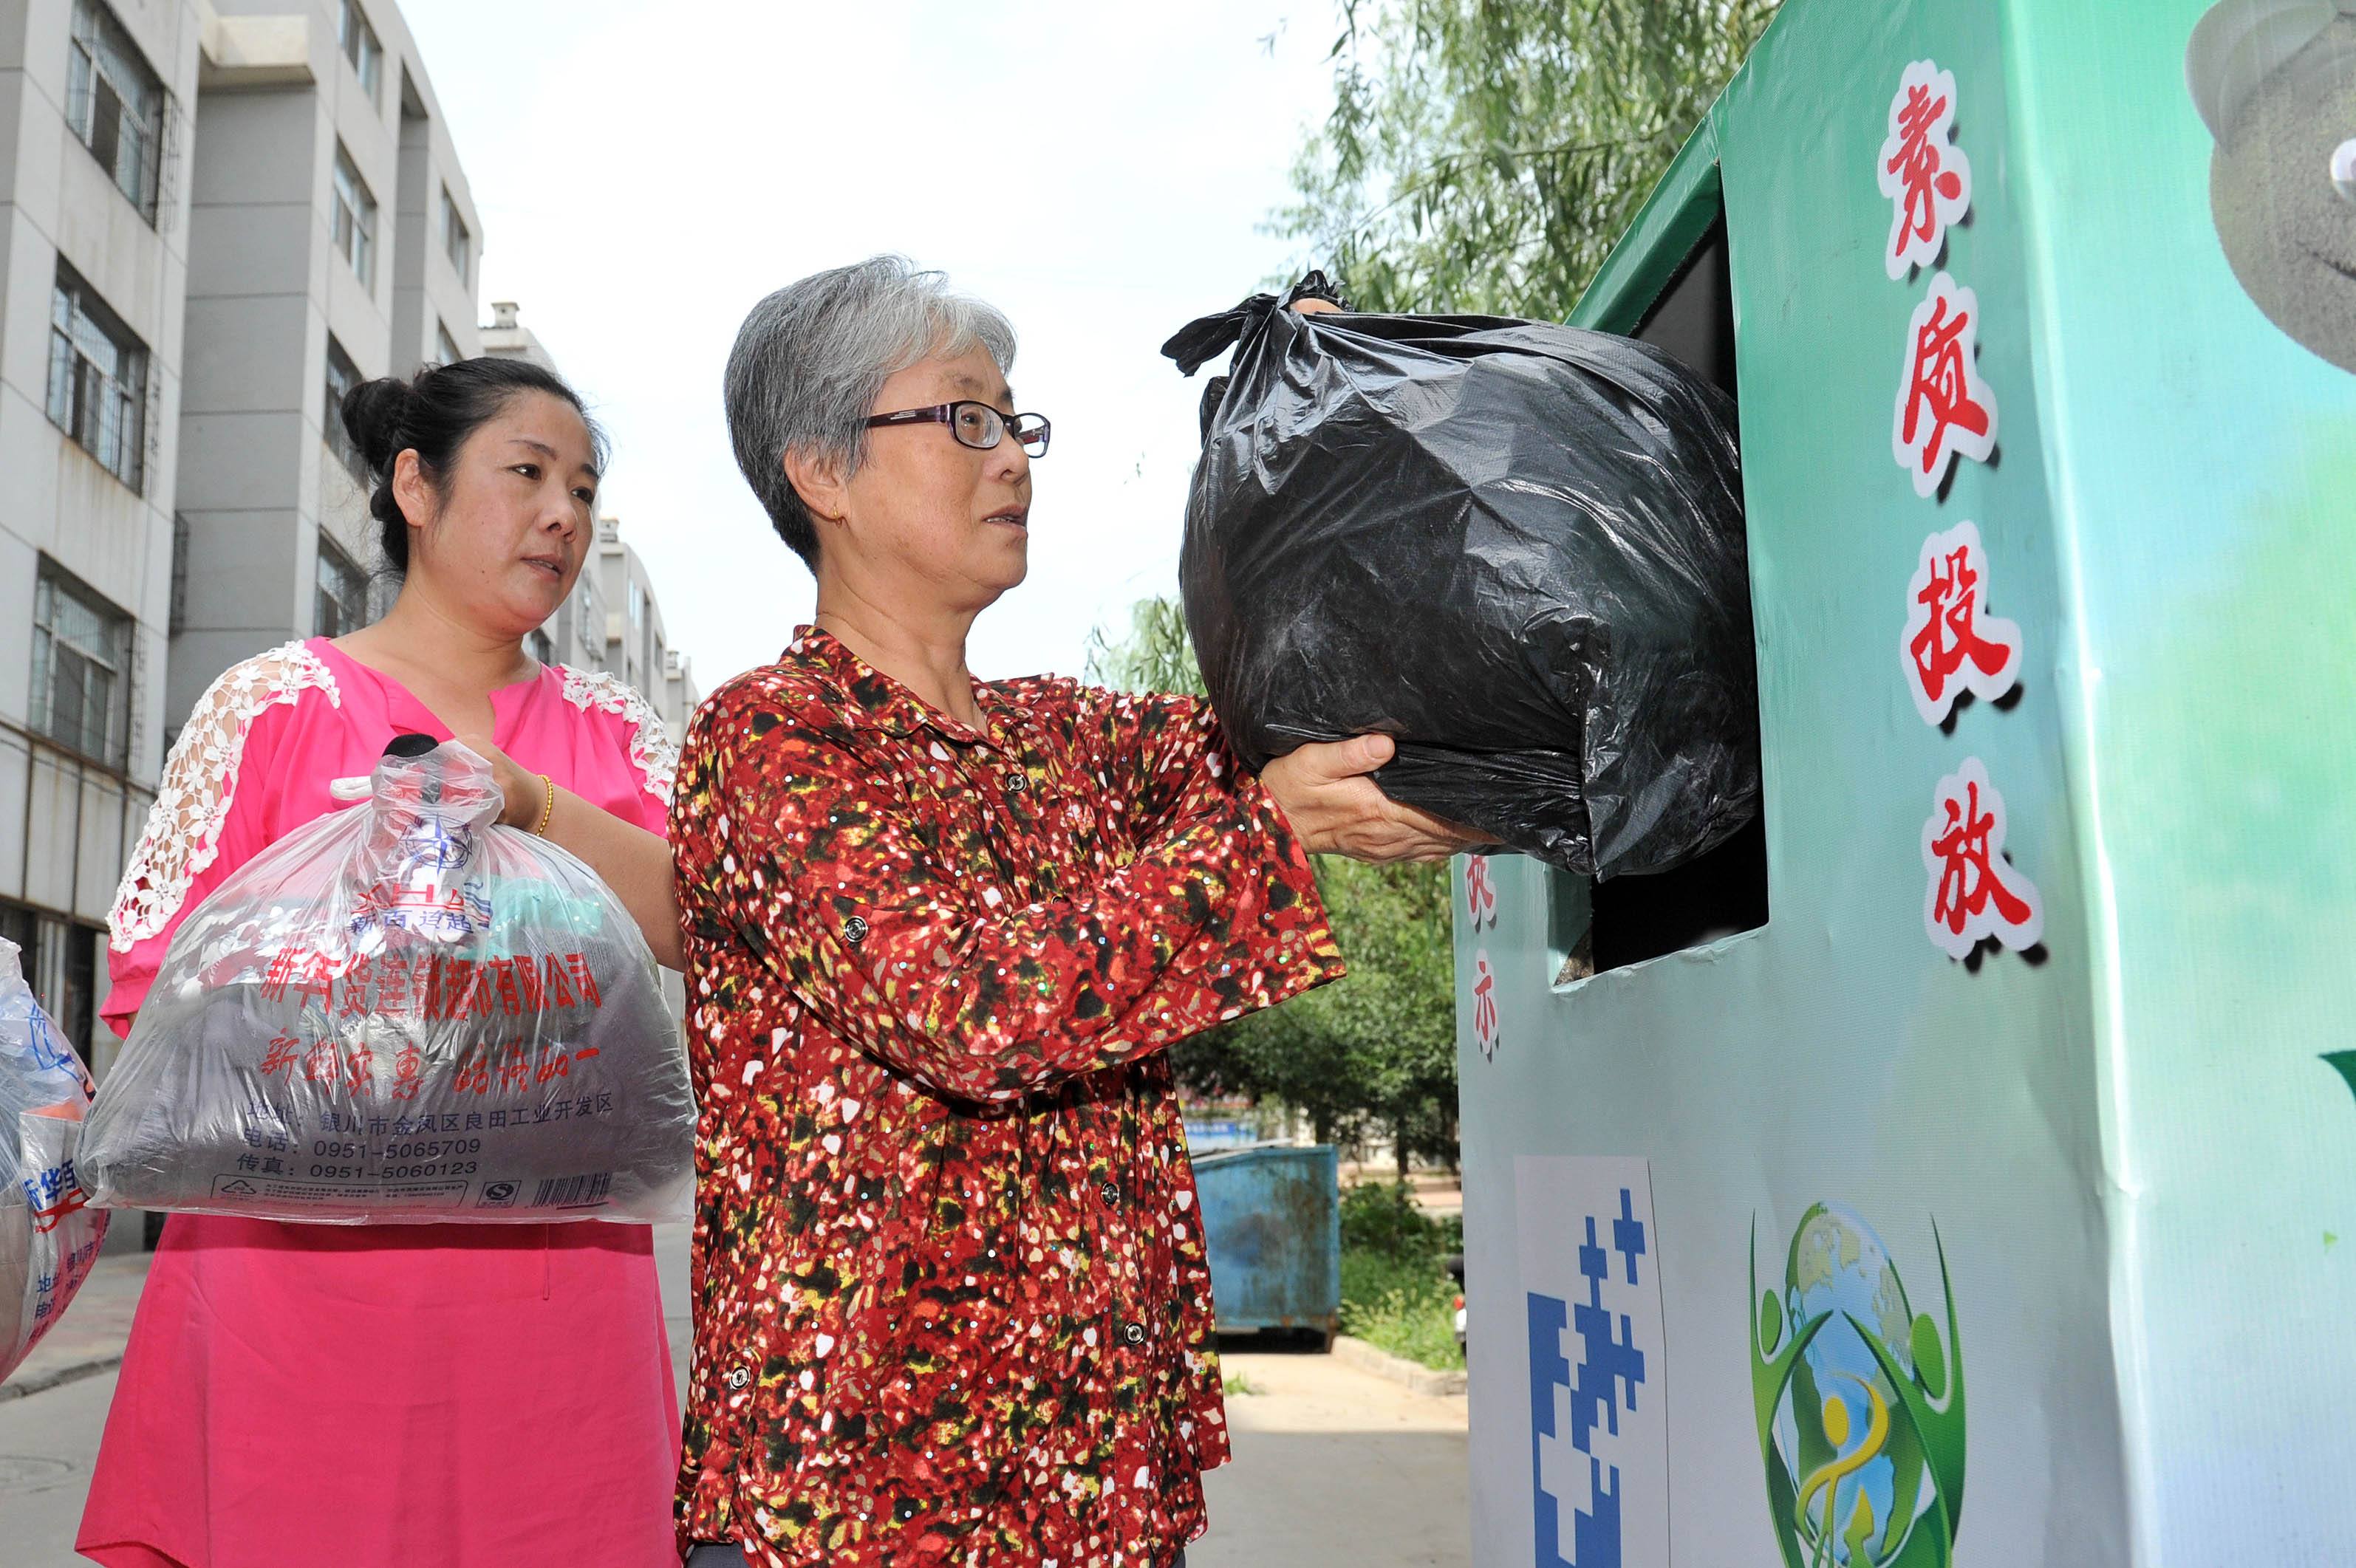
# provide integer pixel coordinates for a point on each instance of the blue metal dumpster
(1272, 1217)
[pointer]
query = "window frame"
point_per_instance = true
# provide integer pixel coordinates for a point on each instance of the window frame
(458, 237)
(98, 48)
(346, 596)
(356, 42)
(445, 344)
(353, 226)
(82, 392)
(339, 376)
(51, 584)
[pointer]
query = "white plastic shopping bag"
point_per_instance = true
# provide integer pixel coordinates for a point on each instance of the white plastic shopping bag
(48, 1235)
(403, 1012)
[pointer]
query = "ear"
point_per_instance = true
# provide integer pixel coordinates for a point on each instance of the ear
(820, 480)
(411, 488)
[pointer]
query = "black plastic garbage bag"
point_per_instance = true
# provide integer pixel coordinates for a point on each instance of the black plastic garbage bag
(1514, 547)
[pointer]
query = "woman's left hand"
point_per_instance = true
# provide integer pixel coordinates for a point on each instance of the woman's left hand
(523, 795)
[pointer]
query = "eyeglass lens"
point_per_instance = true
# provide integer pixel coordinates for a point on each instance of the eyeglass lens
(980, 426)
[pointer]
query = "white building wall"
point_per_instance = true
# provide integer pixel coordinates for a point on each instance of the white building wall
(268, 288)
(65, 817)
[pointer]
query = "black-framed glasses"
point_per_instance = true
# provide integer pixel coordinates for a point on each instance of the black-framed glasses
(977, 425)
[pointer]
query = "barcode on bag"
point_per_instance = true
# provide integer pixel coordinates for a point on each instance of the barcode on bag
(572, 1191)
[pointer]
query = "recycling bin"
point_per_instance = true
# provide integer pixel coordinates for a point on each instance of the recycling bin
(1986, 1118)
(1272, 1221)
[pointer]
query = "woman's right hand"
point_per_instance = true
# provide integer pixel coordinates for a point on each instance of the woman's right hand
(1335, 809)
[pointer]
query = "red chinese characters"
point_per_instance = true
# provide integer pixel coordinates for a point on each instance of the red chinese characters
(389, 985)
(1943, 407)
(1480, 891)
(1951, 645)
(1485, 1005)
(1927, 180)
(1975, 894)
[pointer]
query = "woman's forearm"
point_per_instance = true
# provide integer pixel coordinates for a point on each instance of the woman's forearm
(634, 863)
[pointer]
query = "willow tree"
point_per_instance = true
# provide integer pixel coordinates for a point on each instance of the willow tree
(1482, 156)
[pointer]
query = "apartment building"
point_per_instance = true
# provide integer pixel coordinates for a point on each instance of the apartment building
(96, 105)
(332, 237)
(215, 217)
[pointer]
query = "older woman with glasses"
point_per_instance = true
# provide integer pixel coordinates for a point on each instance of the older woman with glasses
(952, 1305)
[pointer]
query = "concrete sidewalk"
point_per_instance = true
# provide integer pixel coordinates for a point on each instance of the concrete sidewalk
(1335, 1467)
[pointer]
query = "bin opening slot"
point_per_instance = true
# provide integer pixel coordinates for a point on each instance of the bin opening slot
(1595, 926)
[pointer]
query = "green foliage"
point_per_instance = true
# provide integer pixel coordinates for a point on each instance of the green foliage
(1373, 1052)
(1383, 1218)
(1156, 656)
(1483, 155)
(1405, 1305)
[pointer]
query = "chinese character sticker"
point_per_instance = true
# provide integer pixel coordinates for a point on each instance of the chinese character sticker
(1928, 181)
(1975, 893)
(1943, 407)
(1951, 644)
(1484, 1006)
(1480, 891)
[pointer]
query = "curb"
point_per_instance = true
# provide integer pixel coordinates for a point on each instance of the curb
(72, 1371)
(1383, 1364)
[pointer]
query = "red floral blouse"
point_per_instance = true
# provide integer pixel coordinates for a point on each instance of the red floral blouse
(951, 1299)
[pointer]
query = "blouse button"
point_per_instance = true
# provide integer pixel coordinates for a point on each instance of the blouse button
(1134, 1333)
(739, 1377)
(1018, 783)
(1110, 1194)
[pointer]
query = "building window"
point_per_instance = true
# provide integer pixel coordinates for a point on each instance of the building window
(542, 648)
(445, 344)
(115, 103)
(354, 219)
(457, 240)
(82, 668)
(60, 964)
(97, 378)
(341, 604)
(179, 620)
(342, 377)
(637, 604)
(361, 48)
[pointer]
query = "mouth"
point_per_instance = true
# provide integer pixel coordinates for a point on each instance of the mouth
(1012, 516)
(556, 569)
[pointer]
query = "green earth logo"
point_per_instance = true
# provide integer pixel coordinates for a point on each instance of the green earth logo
(1860, 1405)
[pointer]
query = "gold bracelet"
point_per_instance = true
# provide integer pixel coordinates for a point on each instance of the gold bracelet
(546, 810)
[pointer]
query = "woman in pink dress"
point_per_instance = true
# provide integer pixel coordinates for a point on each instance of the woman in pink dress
(430, 1396)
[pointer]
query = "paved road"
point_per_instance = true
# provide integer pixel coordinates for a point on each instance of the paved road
(1333, 1467)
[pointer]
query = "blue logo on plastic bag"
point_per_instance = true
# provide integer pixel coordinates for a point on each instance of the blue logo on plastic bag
(1575, 1414)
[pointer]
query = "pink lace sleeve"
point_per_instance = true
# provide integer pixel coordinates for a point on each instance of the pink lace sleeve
(195, 834)
(653, 754)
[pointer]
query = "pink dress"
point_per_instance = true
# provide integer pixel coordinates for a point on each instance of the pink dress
(414, 1396)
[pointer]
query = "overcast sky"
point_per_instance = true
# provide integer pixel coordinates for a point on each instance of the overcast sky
(646, 171)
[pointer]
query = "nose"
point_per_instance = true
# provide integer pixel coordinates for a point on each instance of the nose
(1009, 462)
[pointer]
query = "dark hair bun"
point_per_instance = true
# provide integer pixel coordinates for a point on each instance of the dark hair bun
(374, 414)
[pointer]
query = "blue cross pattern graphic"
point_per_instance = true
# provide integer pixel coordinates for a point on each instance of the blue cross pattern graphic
(1575, 1410)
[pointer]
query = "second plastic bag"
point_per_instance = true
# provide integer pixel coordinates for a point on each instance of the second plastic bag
(403, 1012)
(48, 1234)
(1516, 547)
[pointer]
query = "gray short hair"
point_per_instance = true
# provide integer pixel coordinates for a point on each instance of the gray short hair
(811, 357)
